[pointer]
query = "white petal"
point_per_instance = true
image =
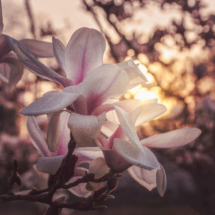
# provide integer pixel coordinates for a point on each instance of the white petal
(127, 126)
(172, 139)
(39, 48)
(38, 68)
(59, 51)
(49, 165)
(145, 177)
(85, 128)
(148, 112)
(101, 84)
(161, 181)
(49, 103)
(36, 137)
(54, 131)
(141, 157)
(84, 53)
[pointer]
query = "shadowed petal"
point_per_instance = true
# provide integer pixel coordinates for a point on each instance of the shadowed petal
(161, 181)
(39, 48)
(79, 190)
(139, 156)
(84, 53)
(59, 52)
(49, 103)
(36, 137)
(85, 128)
(145, 177)
(172, 139)
(15, 72)
(38, 68)
(49, 165)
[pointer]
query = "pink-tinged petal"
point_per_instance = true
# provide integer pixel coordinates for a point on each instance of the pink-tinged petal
(127, 126)
(36, 137)
(49, 103)
(87, 154)
(101, 84)
(1, 19)
(39, 48)
(148, 112)
(145, 177)
(99, 168)
(85, 128)
(172, 139)
(4, 72)
(108, 128)
(79, 190)
(80, 105)
(15, 73)
(115, 161)
(49, 165)
(38, 68)
(54, 131)
(84, 53)
(59, 52)
(139, 156)
(65, 135)
(136, 77)
(161, 181)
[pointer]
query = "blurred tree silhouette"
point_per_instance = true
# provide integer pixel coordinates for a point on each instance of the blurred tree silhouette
(181, 60)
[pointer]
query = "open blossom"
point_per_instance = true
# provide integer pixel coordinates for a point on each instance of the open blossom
(50, 162)
(92, 84)
(11, 69)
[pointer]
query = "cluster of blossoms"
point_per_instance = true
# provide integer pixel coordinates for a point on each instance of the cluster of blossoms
(86, 124)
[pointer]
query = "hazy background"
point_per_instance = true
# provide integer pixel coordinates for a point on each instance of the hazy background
(173, 41)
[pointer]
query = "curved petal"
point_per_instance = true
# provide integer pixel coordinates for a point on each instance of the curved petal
(4, 72)
(79, 190)
(36, 137)
(99, 168)
(136, 77)
(139, 156)
(55, 129)
(38, 68)
(65, 135)
(16, 71)
(84, 53)
(148, 112)
(161, 180)
(49, 165)
(145, 177)
(39, 48)
(127, 126)
(49, 103)
(172, 139)
(85, 128)
(59, 52)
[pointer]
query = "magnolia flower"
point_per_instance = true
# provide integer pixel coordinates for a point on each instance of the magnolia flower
(147, 170)
(50, 162)
(11, 69)
(93, 84)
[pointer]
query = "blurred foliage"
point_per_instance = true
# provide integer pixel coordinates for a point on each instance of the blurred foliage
(181, 61)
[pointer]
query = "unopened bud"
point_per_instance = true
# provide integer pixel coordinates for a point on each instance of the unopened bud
(101, 198)
(15, 165)
(110, 197)
(34, 191)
